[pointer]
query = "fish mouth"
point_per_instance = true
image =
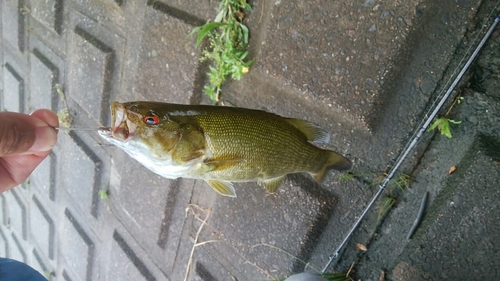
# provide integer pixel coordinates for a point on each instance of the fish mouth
(122, 128)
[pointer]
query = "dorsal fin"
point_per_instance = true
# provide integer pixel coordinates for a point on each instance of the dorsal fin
(313, 132)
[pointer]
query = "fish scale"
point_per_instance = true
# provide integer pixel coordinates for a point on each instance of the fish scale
(259, 139)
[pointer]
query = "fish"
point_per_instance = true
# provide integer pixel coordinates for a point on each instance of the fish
(219, 144)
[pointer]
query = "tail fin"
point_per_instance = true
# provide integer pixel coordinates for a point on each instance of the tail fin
(335, 161)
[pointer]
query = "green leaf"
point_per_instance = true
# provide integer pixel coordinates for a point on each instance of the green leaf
(220, 16)
(445, 129)
(245, 33)
(103, 194)
(346, 176)
(228, 40)
(204, 30)
(443, 125)
(436, 123)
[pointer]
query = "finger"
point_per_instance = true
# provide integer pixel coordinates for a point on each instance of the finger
(46, 137)
(20, 132)
(48, 116)
(15, 169)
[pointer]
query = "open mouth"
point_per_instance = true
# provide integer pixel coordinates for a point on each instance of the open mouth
(121, 128)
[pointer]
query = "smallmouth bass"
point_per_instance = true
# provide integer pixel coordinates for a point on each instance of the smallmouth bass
(220, 144)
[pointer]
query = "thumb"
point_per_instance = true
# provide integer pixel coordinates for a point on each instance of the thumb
(20, 133)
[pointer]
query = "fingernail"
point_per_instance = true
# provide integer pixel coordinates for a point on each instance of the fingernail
(46, 138)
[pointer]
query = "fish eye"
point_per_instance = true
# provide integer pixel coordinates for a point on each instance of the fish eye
(151, 120)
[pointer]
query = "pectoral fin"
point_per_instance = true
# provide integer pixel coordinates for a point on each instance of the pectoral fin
(217, 165)
(272, 185)
(222, 187)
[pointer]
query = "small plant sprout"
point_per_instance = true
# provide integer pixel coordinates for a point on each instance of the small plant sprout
(63, 115)
(443, 125)
(386, 205)
(402, 181)
(49, 274)
(346, 176)
(24, 10)
(228, 41)
(104, 194)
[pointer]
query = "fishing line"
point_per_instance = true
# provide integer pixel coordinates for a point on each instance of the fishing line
(65, 129)
(418, 134)
(75, 129)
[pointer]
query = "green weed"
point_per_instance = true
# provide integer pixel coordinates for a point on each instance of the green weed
(63, 115)
(103, 194)
(398, 183)
(346, 176)
(49, 274)
(386, 205)
(228, 41)
(24, 10)
(443, 125)
(401, 181)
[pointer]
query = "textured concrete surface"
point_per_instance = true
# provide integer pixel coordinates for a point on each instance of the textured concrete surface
(366, 71)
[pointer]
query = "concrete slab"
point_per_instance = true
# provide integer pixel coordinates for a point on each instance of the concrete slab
(139, 202)
(14, 93)
(83, 187)
(88, 80)
(188, 10)
(77, 247)
(456, 226)
(13, 23)
(42, 229)
(39, 265)
(49, 13)
(4, 247)
(354, 53)
(18, 214)
(43, 178)
(127, 254)
(168, 59)
(17, 249)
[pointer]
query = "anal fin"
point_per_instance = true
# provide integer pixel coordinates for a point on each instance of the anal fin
(222, 187)
(272, 185)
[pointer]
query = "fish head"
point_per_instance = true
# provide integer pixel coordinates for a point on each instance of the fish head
(141, 131)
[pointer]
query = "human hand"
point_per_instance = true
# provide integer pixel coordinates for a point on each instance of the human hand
(25, 140)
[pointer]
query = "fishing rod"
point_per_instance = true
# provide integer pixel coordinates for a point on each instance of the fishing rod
(413, 142)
